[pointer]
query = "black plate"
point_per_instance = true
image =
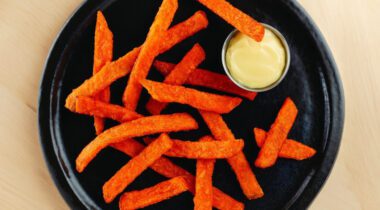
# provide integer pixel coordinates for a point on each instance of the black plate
(313, 82)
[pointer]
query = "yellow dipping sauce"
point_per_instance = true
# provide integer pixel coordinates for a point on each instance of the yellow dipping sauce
(256, 64)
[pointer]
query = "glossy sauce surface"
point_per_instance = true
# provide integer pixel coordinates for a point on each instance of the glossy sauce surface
(256, 64)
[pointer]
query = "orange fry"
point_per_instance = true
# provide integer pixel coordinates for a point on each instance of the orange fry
(239, 164)
(203, 181)
(104, 78)
(290, 148)
(136, 128)
(122, 66)
(89, 106)
(149, 51)
(130, 171)
(103, 50)
(205, 149)
(197, 99)
(277, 135)
(236, 18)
(208, 79)
(151, 195)
(163, 166)
(167, 168)
(183, 30)
(103, 45)
(179, 75)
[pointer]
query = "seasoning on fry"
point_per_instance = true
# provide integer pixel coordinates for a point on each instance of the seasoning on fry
(139, 127)
(277, 135)
(197, 99)
(103, 44)
(130, 171)
(168, 169)
(183, 30)
(290, 149)
(162, 165)
(151, 195)
(236, 18)
(149, 51)
(205, 149)
(203, 181)
(239, 164)
(103, 50)
(89, 106)
(179, 75)
(122, 66)
(104, 78)
(208, 79)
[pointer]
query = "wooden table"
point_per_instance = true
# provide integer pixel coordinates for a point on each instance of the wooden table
(28, 28)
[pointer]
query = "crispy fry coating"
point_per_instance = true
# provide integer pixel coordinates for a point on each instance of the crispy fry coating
(149, 51)
(236, 18)
(208, 79)
(139, 127)
(167, 168)
(179, 75)
(151, 195)
(103, 51)
(290, 149)
(205, 149)
(130, 171)
(239, 164)
(203, 181)
(277, 135)
(201, 100)
(89, 106)
(122, 66)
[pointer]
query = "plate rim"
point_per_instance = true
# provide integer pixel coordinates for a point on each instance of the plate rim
(311, 188)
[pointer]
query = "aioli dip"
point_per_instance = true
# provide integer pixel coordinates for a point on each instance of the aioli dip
(256, 64)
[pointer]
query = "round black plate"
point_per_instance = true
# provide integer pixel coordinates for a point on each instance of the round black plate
(312, 82)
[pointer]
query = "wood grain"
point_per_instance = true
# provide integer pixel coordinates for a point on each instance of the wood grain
(28, 28)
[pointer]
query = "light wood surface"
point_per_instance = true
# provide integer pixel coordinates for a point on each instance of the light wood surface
(28, 28)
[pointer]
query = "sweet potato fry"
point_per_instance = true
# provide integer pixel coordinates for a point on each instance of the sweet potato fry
(197, 99)
(149, 51)
(104, 78)
(167, 168)
(103, 44)
(151, 195)
(205, 149)
(295, 150)
(103, 50)
(208, 79)
(122, 66)
(98, 121)
(239, 164)
(236, 18)
(260, 136)
(140, 127)
(89, 106)
(203, 181)
(277, 134)
(179, 75)
(183, 30)
(130, 171)
(290, 149)
(208, 148)
(163, 166)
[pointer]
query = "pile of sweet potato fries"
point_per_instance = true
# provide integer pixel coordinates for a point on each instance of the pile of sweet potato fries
(93, 98)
